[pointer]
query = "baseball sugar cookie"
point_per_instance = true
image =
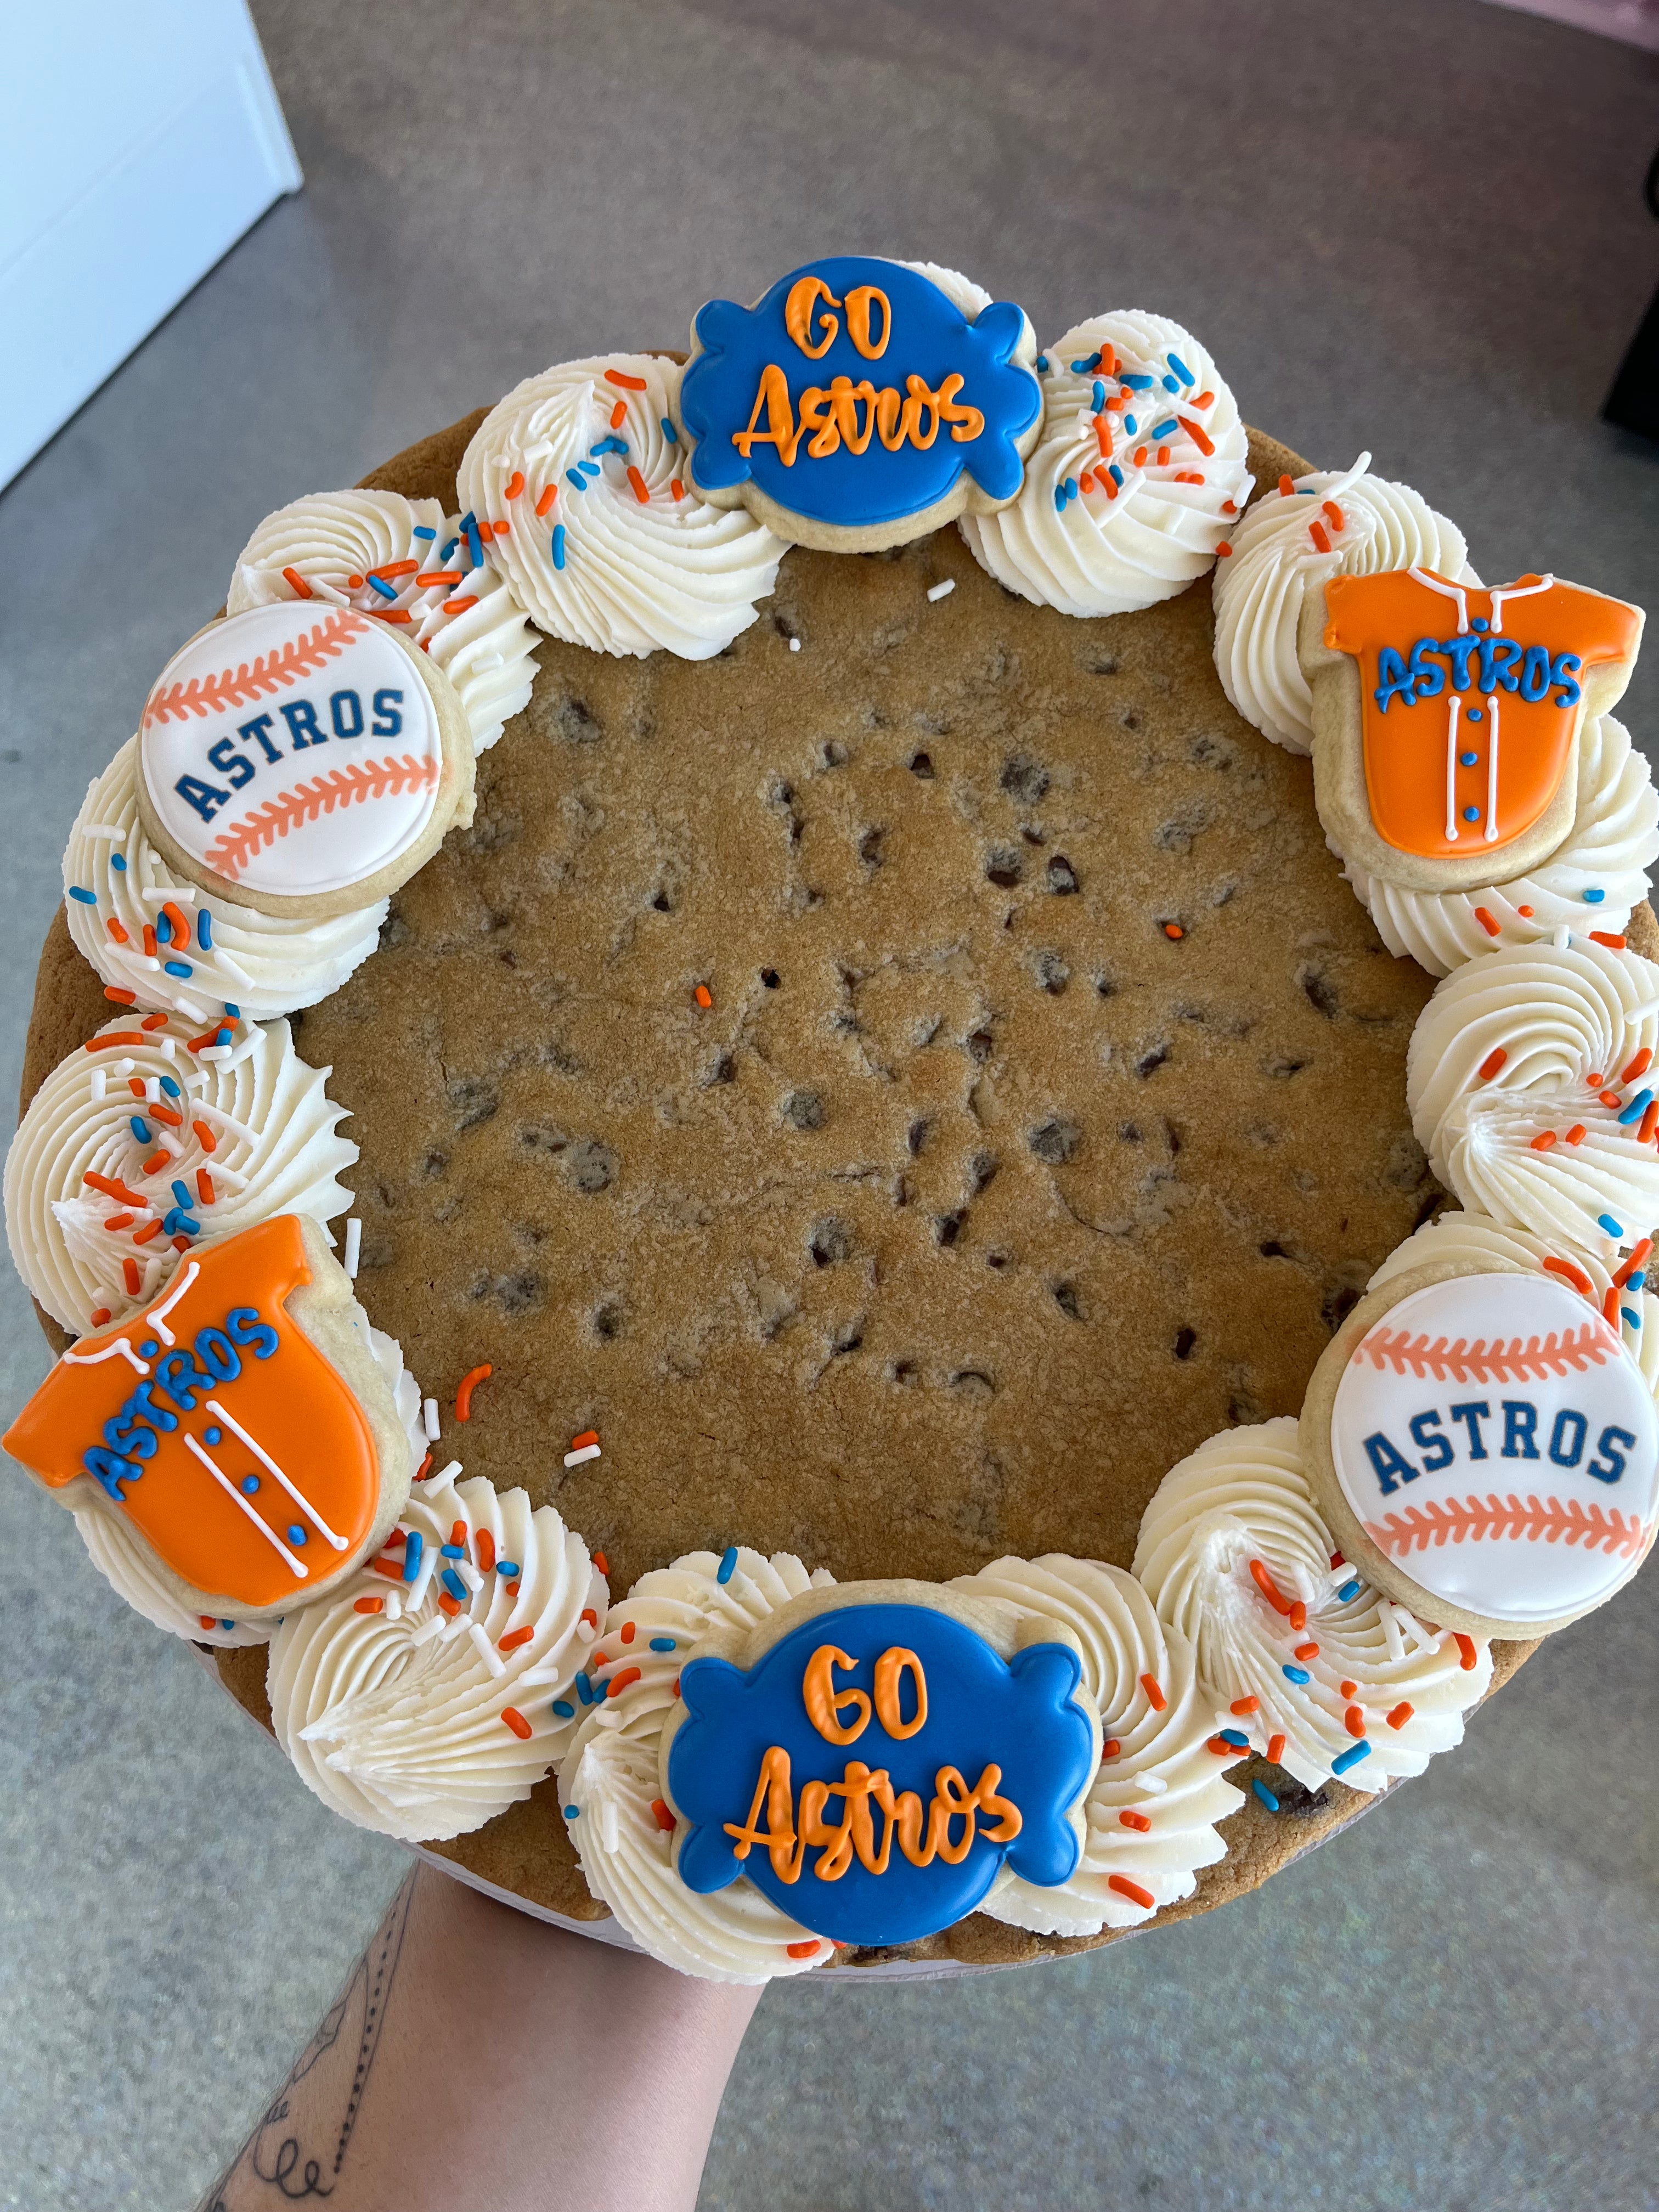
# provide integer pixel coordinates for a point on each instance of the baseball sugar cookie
(301, 759)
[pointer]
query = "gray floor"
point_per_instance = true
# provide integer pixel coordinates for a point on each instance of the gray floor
(1414, 227)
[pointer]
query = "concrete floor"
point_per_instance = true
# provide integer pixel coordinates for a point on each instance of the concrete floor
(1416, 228)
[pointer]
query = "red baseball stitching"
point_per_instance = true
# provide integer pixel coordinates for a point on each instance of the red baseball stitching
(1551, 1520)
(1501, 1360)
(257, 679)
(344, 787)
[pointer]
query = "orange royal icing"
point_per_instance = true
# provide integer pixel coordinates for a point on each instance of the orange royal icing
(219, 1426)
(1469, 698)
(861, 1787)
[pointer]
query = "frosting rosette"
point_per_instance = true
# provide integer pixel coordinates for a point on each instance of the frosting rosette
(1601, 870)
(1151, 1813)
(206, 953)
(1318, 1670)
(1135, 479)
(1526, 1079)
(406, 562)
(430, 1693)
(610, 1777)
(148, 1139)
(1294, 540)
(577, 476)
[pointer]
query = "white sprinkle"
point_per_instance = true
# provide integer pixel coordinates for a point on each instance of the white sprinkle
(469, 1574)
(576, 1458)
(429, 1420)
(394, 1605)
(943, 591)
(168, 1048)
(428, 1629)
(1396, 1642)
(191, 1012)
(445, 1473)
(585, 1632)
(423, 1575)
(608, 1823)
(97, 1083)
(1563, 937)
(101, 828)
(215, 1051)
(1154, 1784)
(152, 1088)
(353, 1246)
(794, 645)
(486, 1650)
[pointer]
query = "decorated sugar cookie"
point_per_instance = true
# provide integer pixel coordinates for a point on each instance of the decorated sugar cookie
(239, 1423)
(873, 1756)
(301, 759)
(1484, 1449)
(859, 404)
(1447, 718)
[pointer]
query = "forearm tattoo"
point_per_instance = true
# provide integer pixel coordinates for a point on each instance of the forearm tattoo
(298, 2149)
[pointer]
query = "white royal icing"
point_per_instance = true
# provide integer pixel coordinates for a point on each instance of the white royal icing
(1542, 1020)
(453, 602)
(1077, 537)
(1162, 1771)
(394, 1718)
(604, 540)
(1369, 525)
(275, 1149)
(328, 754)
(1494, 1440)
(262, 964)
(610, 1779)
(1591, 881)
(1240, 1500)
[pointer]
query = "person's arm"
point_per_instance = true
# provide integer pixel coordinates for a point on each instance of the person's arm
(476, 2056)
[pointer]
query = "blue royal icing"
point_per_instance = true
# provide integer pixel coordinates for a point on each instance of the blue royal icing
(1000, 1737)
(821, 346)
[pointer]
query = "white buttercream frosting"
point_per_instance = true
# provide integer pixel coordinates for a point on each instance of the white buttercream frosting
(1368, 525)
(605, 542)
(1157, 1766)
(1242, 1500)
(453, 602)
(1078, 538)
(610, 1779)
(1611, 849)
(1542, 1020)
(262, 964)
(394, 1717)
(272, 1145)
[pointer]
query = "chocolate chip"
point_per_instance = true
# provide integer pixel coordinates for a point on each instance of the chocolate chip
(916, 1136)
(1025, 779)
(1003, 866)
(948, 1227)
(576, 722)
(591, 1165)
(1151, 1061)
(1321, 992)
(1051, 972)
(831, 1242)
(804, 1110)
(1055, 1141)
(983, 1169)
(979, 1045)
(607, 1321)
(721, 1069)
(1062, 876)
(921, 764)
(870, 850)
(1337, 1304)
(1067, 1300)
(1272, 1250)
(1185, 1339)
(770, 978)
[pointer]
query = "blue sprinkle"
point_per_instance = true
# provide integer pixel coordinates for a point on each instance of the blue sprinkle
(589, 468)
(1639, 1281)
(1237, 1737)
(1614, 1228)
(584, 1689)
(1631, 1317)
(421, 530)
(1594, 897)
(1115, 474)
(177, 967)
(87, 898)
(1163, 429)
(182, 1194)
(119, 862)
(1304, 491)
(296, 1535)
(250, 1484)
(1180, 368)
(1137, 382)
(213, 1436)
(227, 1624)
(729, 1560)
(150, 1347)
(564, 1708)
(454, 1550)
(447, 551)
(608, 445)
(662, 1644)
(1071, 488)
(1100, 396)
(385, 591)
(178, 1223)
(573, 1812)
(1471, 813)
(1085, 367)
(163, 930)
(1474, 714)
(140, 1128)
(204, 929)
(558, 546)
(670, 432)
(1170, 383)
(576, 483)
(1349, 1589)
(1477, 624)
(235, 1012)
(1351, 1758)
(1297, 1675)
(1129, 424)
(171, 1087)
(222, 1037)
(1468, 760)
(1042, 364)
(412, 1551)
(508, 1568)
(1265, 1794)
(470, 528)
(453, 1582)
(1636, 1107)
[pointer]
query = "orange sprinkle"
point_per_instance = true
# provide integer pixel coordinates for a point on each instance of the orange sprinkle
(641, 490)
(1606, 937)
(121, 938)
(469, 1383)
(1470, 1656)
(134, 1084)
(484, 1546)
(1576, 1135)
(627, 383)
(206, 1619)
(201, 1044)
(100, 1314)
(156, 1162)
(1354, 1720)
(122, 999)
(458, 1533)
(369, 1605)
(1338, 520)
(1400, 1715)
(1110, 1749)
(666, 1822)
(1086, 481)
(1163, 457)
(391, 569)
(1109, 360)
(1543, 1143)
(1636, 1259)
(1137, 1821)
(181, 1243)
(1297, 1616)
(1486, 922)
(1132, 1890)
(547, 499)
(1610, 1307)
(353, 583)
(1594, 1081)
(130, 1276)
(1205, 399)
(622, 1681)
(515, 1637)
(1223, 551)
(1306, 1651)
(587, 1437)
(703, 995)
(204, 1136)
(119, 1221)
(1576, 1276)
(1285, 487)
(113, 1037)
(459, 606)
(628, 1631)
(1348, 1689)
(1199, 436)
(807, 1950)
(153, 1021)
(1245, 1706)
(166, 1115)
(1492, 1062)
(114, 1189)
(149, 940)
(1174, 931)
(449, 1605)
(619, 414)
(392, 1569)
(1155, 1696)
(1639, 1065)
(1611, 1098)
(1140, 457)
(390, 615)
(677, 488)
(421, 1471)
(514, 485)
(1276, 1748)
(1319, 535)
(513, 1588)
(1525, 913)
(1268, 1588)
(1222, 1748)
(1230, 507)
(1103, 437)
(296, 584)
(204, 1187)
(675, 1691)
(516, 1721)
(590, 1616)
(1649, 1118)
(603, 1564)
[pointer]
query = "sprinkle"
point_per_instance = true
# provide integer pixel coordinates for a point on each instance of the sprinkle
(664, 1820)
(1110, 1749)
(1492, 1062)
(1354, 1720)
(1630, 1272)
(1265, 1794)
(1132, 1890)
(1543, 1143)
(1174, 931)
(485, 1544)
(641, 490)
(558, 546)
(1307, 1651)
(1612, 1228)
(1636, 1107)
(580, 1457)
(1223, 551)
(1319, 535)
(513, 485)
(1400, 1715)
(662, 1644)
(1486, 922)
(1606, 937)
(1338, 520)
(506, 1568)
(468, 1383)
(112, 1037)
(627, 383)
(703, 996)
(297, 584)
(1351, 1758)
(677, 488)
(429, 1419)
(412, 1552)
(121, 998)
(204, 1136)
(942, 591)
(625, 1681)
(130, 1276)
(1179, 367)
(296, 1535)
(728, 1562)
(204, 929)
(1245, 1706)
(547, 499)
(1269, 1589)
(459, 606)
(1276, 1748)
(1163, 429)
(516, 1721)
(587, 1437)
(1155, 1696)
(1594, 897)
(453, 1582)
(564, 1708)
(1221, 1746)
(452, 1551)
(572, 1811)
(1297, 1675)
(1349, 1589)
(1576, 1135)
(604, 1564)
(86, 898)
(1137, 1821)
(807, 1950)
(353, 1246)
(1525, 913)
(1297, 1616)
(369, 1605)
(515, 1637)
(1469, 1657)
(576, 483)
